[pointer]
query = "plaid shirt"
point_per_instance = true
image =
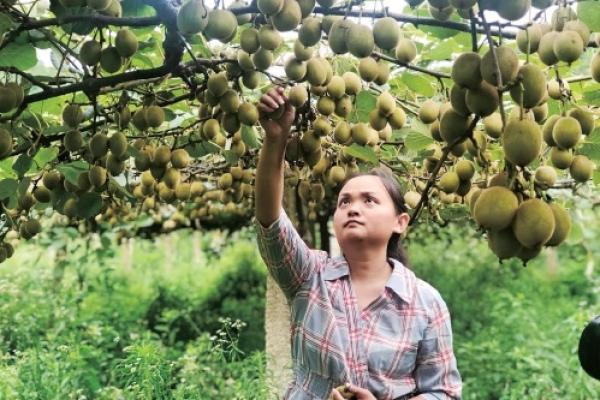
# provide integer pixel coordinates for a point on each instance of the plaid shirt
(401, 344)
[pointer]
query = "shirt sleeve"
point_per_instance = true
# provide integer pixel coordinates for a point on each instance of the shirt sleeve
(436, 374)
(289, 260)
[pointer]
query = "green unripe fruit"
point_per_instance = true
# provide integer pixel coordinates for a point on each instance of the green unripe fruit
(482, 101)
(545, 176)
(270, 7)
(449, 182)
(336, 87)
(429, 111)
(171, 178)
(295, 69)
(493, 125)
(342, 132)
(221, 25)
(508, 63)
(534, 223)
(568, 46)
(376, 120)
(180, 158)
(225, 181)
(310, 31)
(230, 102)
(522, 141)
(532, 87)
(97, 176)
(566, 132)
(117, 144)
(406, 51)
(90, 52)
(182, 191)
(192, 17)
(162, 155)
(338, 35)
(528, 40)
(360, 41)
(303, 53)
(386, 104)
(352, 83)
(42, 194)
(495, 208)
(548, 128)
(98, 145)
(217, 84)
(581, 168)
(466, 70)
(368, 69)
(503, 243)
(262, 59)
(114, 165)
(110, 60)
(268, 38)
(546, 48)
(336, 175)
(560, 158)
(249, 41)
(72, 115)
(453, 126)
(562, 225)
(210, 129)
(360, 133)
(155, 116)
(248, 114)
(386, 33)
(73, 140)
(465, 170)
(315, 73)
(581, 28)
(51, 179)
(289, 17)
(126, 43)
(513, 10)
(397, 119)
(139, 119)
(298, 95)
(584, 117)
(326, 105)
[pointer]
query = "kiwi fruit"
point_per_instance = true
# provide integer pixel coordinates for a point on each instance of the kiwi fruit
(386, 33)
(531, 88)
(295, 69)
(180, 158)
(429, 111)
(566, 132)
(309, 33)
(465, 170)
(72, 115)
(581, 28)
(338, 35)
(458, 99)
(522, 141)
(492, 125)
(360, 41)
(595, 67)
(368, 69)
(562, 15)
(249, 40)
(545, 176)
(562, 225)
(397, 118)
(503, 243)
(513, 10)
(221, 25)
(97, 176)
(192, 17)
(89, 54)
(262, 59)
(508, 64)
(495, 208)
(568, 46)
(546, 48)
(247, 114)
(73, 140)
(270, 7)
(466, 70)
(126, 43)
(482, 101)
(561, 158)
(110, 59)
(528, 40)
(406, 51)
(217, 84)
(360, 133)
(315, 73)
(326, 105)
(453, 126)
(289, 17)
(534, 223)
(352, 83)
(449, 182)
(298, 95)
(584, 117)
(155, 116)
(581, 168)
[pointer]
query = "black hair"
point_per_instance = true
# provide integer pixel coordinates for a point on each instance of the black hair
(394, 247)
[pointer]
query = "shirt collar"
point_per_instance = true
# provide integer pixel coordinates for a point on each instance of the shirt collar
(401, 281)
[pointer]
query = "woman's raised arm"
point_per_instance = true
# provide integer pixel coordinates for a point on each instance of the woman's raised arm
(269, 171)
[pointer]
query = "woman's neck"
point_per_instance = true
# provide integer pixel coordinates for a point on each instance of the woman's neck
(368, 267)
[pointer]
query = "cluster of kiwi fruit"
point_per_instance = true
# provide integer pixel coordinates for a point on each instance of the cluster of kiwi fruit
(110, 58)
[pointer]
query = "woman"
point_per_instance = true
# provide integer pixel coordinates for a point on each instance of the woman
(362, 318)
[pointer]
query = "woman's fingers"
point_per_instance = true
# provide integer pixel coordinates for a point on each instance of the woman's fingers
(269, 101)
(265, 108)
(335, 395)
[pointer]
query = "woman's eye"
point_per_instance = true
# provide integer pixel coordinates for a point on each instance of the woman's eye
(369, 200)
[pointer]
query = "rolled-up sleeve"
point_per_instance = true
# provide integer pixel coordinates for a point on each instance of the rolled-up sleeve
(289, 260)
(436, 373)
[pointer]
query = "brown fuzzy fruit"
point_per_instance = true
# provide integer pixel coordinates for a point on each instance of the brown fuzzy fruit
(495, 208)
(562, 225)
(534, 223)
(522, 141)
(566, 132)
(581, 168)
(508, 63)
(532, 87)
(126, 43)
(466, 70)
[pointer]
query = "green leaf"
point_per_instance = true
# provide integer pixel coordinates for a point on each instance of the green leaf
(5, 23)
(19, 55)
(8, 187)
(589, 12)
(72, 170)
(121, 188)
(89, 205)
(364, 153)
(442, 33)
(201, 149)
(441, 51)
(6, 170)
(22, 165)
(23, 186)
(418, 83)
(592, 150)
(454, 212)
(249, 137)
(365, 102)
(416, 141)
(230, 156)
(44, 156)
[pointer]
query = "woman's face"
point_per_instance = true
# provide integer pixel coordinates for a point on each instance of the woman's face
(365, 213)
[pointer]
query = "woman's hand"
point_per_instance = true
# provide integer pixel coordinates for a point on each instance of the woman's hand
(279, 128)
(359, 393)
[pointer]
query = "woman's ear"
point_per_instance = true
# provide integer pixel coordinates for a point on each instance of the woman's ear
(402, 223)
